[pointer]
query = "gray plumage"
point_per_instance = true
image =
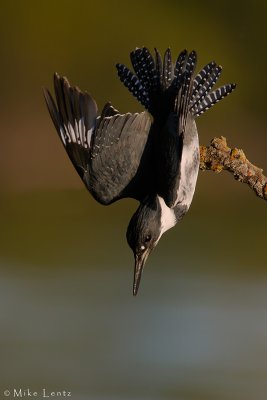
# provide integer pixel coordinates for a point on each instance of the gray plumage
(154, 160)
(107, 150)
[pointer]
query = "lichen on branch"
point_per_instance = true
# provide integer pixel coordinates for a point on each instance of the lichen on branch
(218, 156)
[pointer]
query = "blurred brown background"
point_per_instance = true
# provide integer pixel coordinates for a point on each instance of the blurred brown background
(198, 328)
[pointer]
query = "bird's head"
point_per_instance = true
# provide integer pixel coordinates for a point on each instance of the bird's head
(143, 234)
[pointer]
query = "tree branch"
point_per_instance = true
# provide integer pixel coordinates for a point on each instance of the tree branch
(218, 156)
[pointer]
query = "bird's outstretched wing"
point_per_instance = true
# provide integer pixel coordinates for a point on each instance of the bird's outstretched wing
(109, 152)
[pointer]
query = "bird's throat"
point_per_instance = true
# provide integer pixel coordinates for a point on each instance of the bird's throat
(167, 218)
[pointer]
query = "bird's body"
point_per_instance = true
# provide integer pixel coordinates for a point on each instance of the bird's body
(189, 170)
(153, 160)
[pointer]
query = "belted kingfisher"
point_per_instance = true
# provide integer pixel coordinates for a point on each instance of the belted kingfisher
(151, 156)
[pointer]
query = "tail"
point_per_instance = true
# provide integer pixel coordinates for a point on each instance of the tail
(156, 78)
(184, 83)
(203, 97)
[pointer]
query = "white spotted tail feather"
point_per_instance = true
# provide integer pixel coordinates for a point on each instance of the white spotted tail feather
(211, 99)
(133, 84)
(182, 101)
(179, 67)
(154, 77)
(202, 76)
(151, 78)
(144, 67)
(205, 87)
(202, 97)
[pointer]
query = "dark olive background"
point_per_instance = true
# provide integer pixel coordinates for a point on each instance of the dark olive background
(198, 328)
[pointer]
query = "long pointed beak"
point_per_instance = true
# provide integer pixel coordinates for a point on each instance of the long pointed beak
(140, 261)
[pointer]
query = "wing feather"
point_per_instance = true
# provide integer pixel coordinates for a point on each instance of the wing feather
(107, 151)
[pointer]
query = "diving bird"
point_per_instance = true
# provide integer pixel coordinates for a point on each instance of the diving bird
(152, 156)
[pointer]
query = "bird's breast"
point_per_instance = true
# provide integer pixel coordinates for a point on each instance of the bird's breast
(189, 167)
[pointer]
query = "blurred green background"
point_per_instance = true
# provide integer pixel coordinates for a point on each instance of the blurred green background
(198, 328)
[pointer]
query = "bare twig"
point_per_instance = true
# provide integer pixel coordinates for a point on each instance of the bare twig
(218, 156)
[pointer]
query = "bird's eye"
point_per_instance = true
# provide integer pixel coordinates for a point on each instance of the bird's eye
(147, 238)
